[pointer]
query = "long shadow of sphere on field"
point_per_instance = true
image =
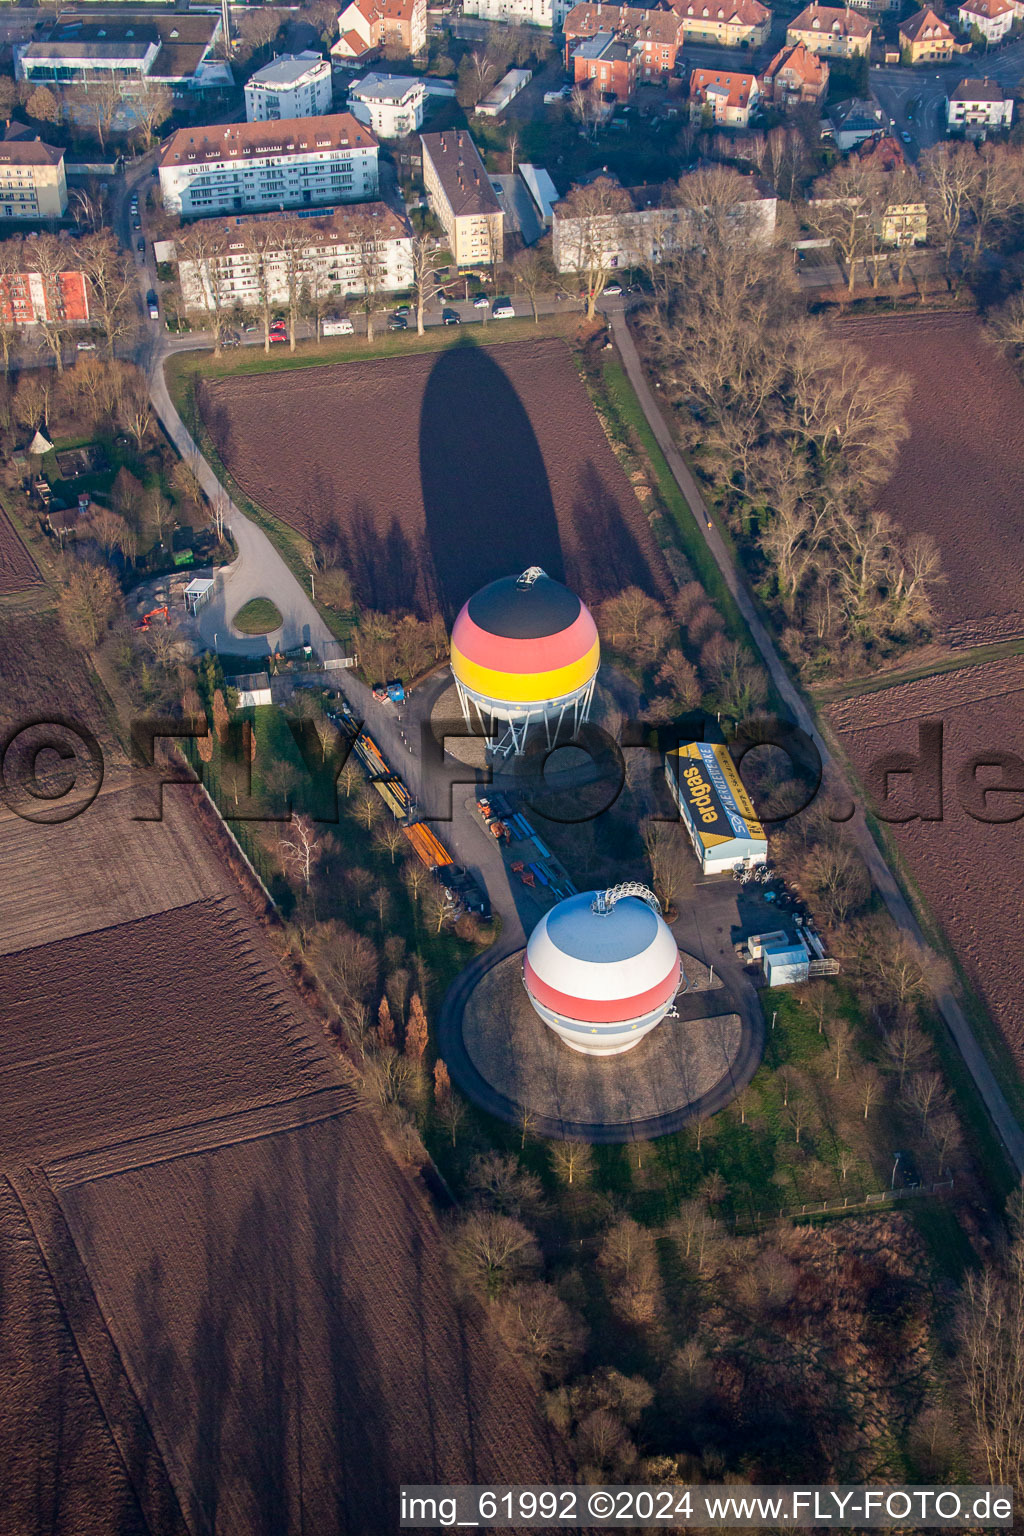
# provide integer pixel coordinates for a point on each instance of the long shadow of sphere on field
(489, 509)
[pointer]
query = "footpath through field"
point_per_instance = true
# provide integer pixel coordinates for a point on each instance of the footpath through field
(992, 1096)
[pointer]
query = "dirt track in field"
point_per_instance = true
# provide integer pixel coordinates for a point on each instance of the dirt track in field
(17, 568)
(430, 475)
(960, 475)
(968, 871)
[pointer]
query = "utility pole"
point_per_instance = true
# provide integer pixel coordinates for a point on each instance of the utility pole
(225, 19)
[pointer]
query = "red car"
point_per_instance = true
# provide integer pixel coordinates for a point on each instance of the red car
(278, 336)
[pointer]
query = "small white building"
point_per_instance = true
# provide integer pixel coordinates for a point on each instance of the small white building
(499, 96)
(979, 103)
(393, 105)
(785, 962)
(993, 18)
(715, 807)
(292, 85)
(198, 592)
(542, 190)
(253, 690)
(537, 13)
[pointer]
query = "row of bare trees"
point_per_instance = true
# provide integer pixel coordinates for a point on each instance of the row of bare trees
(292, 265)
(94, 110)
(796, 431)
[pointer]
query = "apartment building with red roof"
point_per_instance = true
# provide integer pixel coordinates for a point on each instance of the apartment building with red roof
(656, 34)
(827, 29)
(794, 76)
(729, 96)
(730, 23)
(364, 26)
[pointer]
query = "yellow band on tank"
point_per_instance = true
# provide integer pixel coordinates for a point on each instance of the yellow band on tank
(526, 687)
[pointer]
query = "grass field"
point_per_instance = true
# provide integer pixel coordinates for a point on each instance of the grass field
(259, 616)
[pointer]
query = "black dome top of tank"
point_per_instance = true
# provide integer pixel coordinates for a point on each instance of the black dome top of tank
(524, 612)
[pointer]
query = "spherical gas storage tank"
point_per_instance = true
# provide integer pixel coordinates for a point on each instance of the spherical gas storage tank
(525, 651)
(602, 968)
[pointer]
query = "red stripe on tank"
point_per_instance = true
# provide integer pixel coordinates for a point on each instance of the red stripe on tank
(546, 654)
(591, 1010)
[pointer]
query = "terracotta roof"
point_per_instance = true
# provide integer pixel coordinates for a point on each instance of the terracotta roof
(744, 13)
(634, 21)
(829, 18)
(978, 90)
(290, 136)
(799, 59)
(881, 154)
(926, 23)
(15, 150)
(738, 86)
(460, 171)
(991, 10)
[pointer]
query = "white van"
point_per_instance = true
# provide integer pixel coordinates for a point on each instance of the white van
(342, 327)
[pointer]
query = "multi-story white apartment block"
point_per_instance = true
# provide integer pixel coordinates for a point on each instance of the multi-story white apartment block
(393, 105)
(32, 180)
(340, 250)
(293, 85)
(298, 162)
(461, 195)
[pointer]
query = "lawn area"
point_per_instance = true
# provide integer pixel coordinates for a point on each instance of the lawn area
(259, 616)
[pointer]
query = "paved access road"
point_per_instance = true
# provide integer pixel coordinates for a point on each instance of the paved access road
(884, 880)
(915, 98)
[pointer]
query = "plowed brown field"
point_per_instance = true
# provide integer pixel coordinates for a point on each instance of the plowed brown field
(960, 475)
(430, 475)
(17, 568)
(222, 1307)
(286, 1313)
(968, 871)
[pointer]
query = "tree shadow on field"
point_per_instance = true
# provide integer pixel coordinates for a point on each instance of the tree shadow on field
(486, 495)
(609, 558)
(388, 570)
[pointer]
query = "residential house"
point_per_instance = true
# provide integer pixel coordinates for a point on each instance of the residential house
(855, 121)
(840, 34)
(657, 34)
(393, 105)
(292, 85)
(904, 224)
(653, 229)
(925, 38)
(742, 24)
(882, 153)
(243, 167)
(977, 103)
(462, 197)
(794, 76)
(346, 246)
(729, 97)
(32, 180)
(26, 298)
(993, 18)
(609, 67)
(364, 26)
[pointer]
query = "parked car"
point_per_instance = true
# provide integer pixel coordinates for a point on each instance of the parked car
(342, 326)
(402, 309)
(905, 136)
(153, 305)
(451, 317)
(250, 329)
(278, 336)
(503, 310)
(397, 323)
(140, 245)
(277, 325)
(613, 290)
(136, 223)
(480, 302)
(86, 346)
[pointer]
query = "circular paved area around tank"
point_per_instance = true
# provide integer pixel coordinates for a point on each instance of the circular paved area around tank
(508, 1061)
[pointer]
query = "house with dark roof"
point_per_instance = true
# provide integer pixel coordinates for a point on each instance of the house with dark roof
(462, 197)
